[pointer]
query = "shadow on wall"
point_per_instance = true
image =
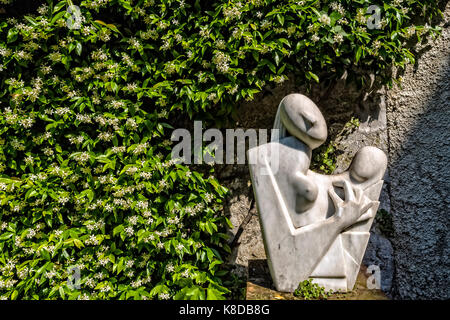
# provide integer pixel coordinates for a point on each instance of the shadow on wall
(419, 143)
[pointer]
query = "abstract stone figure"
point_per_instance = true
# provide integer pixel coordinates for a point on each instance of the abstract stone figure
(314, 226)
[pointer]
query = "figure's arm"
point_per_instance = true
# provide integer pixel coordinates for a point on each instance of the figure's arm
(323, 233)
(347, 212)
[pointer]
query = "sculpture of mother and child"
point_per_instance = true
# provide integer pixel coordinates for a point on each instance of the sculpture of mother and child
(314, 226)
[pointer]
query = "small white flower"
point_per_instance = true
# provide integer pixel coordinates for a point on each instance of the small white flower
(208, 197)
(106, 288)
(410, 31)
(338, 38)
(221, 60)
(164, 296)
(129, 263)
(129, 231)
(134, 43)
(325, 19)
(338, 7)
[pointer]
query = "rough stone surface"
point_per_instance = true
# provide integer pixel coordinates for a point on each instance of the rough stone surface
(419, 148)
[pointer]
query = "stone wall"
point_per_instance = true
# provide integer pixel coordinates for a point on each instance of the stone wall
(419, 148)
(411, 124)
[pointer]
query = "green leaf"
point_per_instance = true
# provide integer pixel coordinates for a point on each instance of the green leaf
(12, 35)
(14, 295)
(31, 20)
(78, 243)
(280, 19)
(313, 75)
(78, 48)
(58, 16)
(285, 41)
(191, 293)
(197, 5)
(59, 6)
(6, 236)
(255, 55)
(334, 16)
(358, 54)
(277, 58)
(118, 229)
(108, 25)
(271, 66)
(214, 294)
(61, 292)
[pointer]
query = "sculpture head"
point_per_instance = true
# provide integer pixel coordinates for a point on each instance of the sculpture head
(303, 119)
(368, 165)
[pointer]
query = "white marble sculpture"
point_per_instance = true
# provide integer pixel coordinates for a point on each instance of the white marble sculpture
(314, 226)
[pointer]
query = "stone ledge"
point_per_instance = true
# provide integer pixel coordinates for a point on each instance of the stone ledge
(260, 286)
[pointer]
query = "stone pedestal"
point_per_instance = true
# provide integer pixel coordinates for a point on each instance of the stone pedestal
(260, 286)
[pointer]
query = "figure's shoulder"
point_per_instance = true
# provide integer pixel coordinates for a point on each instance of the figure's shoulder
(290, 142)
(263, 150)
(286, 149)
(294, 143)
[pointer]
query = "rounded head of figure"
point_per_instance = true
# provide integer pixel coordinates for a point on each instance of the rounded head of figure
(303, 119)
(368, 165)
